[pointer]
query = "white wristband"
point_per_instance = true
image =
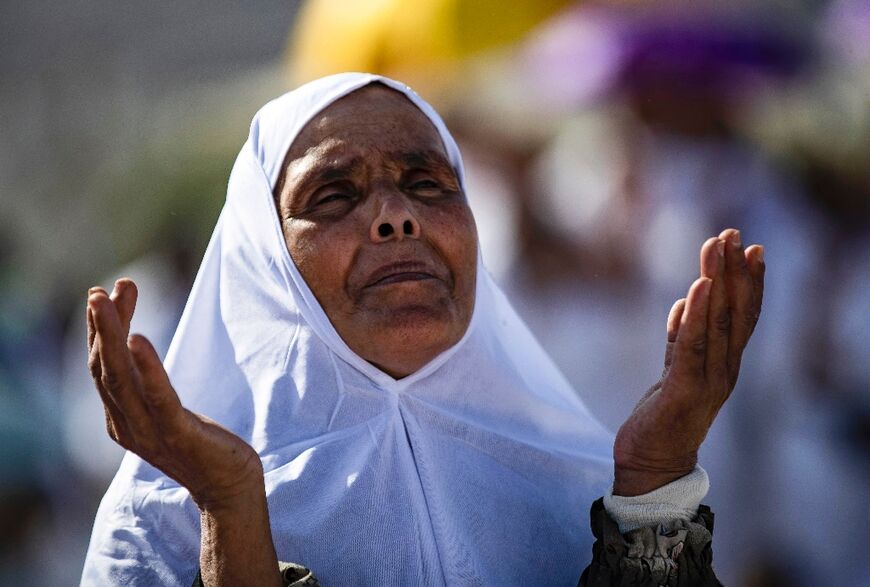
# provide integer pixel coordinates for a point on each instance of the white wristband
(678, 499)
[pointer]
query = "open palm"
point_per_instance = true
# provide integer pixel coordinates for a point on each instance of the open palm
(707, 332)
(144, 414)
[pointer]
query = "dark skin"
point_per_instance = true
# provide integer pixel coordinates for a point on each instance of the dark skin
(144, 415)
(399, 241)
(707, 332)
(368, 191)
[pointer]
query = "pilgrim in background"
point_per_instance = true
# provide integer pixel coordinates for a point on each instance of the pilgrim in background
(598, 138)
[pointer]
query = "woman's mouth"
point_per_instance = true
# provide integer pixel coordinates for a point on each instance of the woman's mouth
(400, 272)
(400, 277)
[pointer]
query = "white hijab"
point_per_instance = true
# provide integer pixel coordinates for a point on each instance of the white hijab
(479, 469)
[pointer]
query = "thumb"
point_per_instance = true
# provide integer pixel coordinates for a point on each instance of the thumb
(157, 390)
(124, 296)
(674, 317)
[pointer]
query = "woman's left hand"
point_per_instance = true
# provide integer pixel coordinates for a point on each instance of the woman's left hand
(707, 332)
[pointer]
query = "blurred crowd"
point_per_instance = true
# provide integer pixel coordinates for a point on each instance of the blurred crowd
(604, 142)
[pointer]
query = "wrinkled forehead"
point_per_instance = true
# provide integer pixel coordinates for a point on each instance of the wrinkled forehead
(372, 118)
(281, 121)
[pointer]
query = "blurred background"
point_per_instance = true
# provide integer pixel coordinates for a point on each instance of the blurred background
(604, 142)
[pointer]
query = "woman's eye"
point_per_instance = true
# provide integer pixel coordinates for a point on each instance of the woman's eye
(332, 197)
(425, 184)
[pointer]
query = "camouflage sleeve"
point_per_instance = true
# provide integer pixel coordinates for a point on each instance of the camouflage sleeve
(292, 575)
(678, 554)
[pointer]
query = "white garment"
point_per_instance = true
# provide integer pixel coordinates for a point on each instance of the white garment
(678, 500)
(479, 469)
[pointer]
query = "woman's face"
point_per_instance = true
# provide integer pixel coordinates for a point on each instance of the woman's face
(376, 221)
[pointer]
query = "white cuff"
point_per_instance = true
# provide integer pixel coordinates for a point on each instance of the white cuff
(678, 499)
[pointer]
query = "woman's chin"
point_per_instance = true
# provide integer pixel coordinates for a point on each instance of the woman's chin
(409, 337)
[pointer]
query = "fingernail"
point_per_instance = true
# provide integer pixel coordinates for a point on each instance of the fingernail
(720, 247)
(761, 254)
(735, 238)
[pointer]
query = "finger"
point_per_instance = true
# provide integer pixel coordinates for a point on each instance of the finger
(718, 316)
(114, 416)
(115, 424)
(741, 300)
(124, 296)
(157, 390)
(94, 365)
(674, 317)
(690, 348)
(755, 258)
(116, 427)
(92, 331)
(117, 376)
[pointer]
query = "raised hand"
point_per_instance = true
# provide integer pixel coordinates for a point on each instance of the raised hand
(145, 416)
(707, 332)
(222, 472)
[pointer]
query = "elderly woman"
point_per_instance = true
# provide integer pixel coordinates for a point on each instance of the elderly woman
(349, 390)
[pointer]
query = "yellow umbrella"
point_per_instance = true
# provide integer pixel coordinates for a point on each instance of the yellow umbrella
(421, 42)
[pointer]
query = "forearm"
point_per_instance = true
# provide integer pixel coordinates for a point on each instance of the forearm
(237, 546)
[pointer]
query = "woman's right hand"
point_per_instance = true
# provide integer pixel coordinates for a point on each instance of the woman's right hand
(145, 416)
(221, 471)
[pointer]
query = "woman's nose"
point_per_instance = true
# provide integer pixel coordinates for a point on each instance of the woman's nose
(394, 221)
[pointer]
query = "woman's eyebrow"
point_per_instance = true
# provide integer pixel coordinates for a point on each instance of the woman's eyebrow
(424, 159)
(335, 169)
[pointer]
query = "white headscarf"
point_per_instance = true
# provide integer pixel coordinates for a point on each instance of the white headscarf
(478, 469)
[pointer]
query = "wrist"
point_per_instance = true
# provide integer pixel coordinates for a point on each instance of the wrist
(247, 491)
(236, 539)
(631, 480)
(639, 468)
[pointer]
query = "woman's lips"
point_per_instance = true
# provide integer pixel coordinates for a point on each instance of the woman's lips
(400, 277)
(400, 272)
